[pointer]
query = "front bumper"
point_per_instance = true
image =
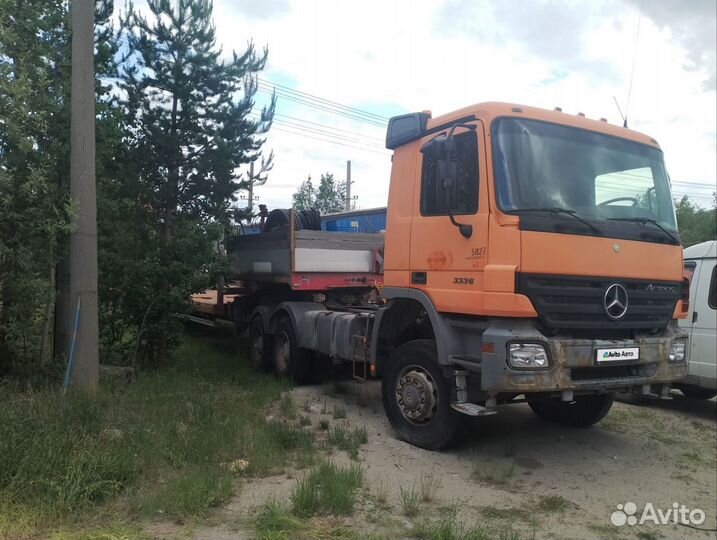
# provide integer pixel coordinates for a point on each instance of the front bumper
(573, 362)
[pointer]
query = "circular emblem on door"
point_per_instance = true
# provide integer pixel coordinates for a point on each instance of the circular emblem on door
(616, 248)
(615, 301)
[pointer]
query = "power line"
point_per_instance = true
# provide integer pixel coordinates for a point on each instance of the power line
(329, 131)
(326, 136)
(321, 106)
(377, 139)
(698, 185)
(331, 141)
(328, 102)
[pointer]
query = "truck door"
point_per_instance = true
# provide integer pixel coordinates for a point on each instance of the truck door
(703, 341)
(444, 264)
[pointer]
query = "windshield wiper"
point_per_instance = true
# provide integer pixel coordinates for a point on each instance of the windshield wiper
(644, 220)
(558, 210)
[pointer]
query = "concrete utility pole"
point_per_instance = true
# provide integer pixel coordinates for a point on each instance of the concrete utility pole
(348, 185)
(83, 242)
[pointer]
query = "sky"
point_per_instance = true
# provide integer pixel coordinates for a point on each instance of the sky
(342, 68)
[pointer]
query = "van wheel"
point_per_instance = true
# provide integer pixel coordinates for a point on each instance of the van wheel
(417, 397)
(583, 412)
(258, 351)
(695, 392)
(289, 359)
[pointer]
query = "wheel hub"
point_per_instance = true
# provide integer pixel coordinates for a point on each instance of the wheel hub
(416, 395)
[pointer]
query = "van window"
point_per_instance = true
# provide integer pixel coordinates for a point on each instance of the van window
(712, 296)
(462, 197)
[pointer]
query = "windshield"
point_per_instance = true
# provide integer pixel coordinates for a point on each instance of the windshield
(542, 165)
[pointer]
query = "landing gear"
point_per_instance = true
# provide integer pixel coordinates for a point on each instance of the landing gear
(290, 360)
(584, 411)
(417, 397)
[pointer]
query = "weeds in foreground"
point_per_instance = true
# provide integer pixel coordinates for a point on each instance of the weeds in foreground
(498, 475)
(193, 494)
(62, 456)
(349, 440)
(287, 406)
(409, 501)
(112, 531)
(449, 528)
(327, 489)
(276, 523)
(382, 491)
(429, 485)
(339, 412)
(552, 504)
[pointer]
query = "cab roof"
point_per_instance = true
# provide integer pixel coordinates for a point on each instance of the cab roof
(423, 123)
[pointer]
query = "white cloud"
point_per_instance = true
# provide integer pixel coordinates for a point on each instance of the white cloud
(392, 56)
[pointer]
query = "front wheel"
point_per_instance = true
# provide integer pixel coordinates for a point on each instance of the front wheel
(584, 411)
(417, 397)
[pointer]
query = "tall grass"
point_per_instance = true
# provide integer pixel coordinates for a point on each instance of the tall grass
(167, 436)
(327, 489)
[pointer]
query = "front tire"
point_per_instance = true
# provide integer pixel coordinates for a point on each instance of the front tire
(417, 397)
(583, 412)
(289, 359)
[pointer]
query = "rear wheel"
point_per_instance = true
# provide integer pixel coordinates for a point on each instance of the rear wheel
(584, 411)
(289, 359)
(257, 345)
(696, 392)
(417, 397)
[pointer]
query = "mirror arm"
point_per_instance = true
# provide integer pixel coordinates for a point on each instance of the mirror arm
(465, 229)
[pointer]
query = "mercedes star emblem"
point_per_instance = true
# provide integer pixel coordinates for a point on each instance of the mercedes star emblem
(615, 301)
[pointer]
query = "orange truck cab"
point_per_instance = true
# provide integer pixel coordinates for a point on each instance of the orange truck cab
(530, 255)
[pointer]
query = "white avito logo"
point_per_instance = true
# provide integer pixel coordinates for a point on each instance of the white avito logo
(626, 514)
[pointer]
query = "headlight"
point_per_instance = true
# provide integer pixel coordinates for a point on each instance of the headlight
(678, 351)
(527, 356)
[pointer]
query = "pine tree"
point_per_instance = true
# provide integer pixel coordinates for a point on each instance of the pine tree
(187, 112)
(34, 85)
(305, 195)
(329, 197)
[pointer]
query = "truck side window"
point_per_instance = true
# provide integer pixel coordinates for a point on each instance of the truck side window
(462, 198)
(712, 296)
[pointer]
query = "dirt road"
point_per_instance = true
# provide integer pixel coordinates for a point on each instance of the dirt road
(514, 471)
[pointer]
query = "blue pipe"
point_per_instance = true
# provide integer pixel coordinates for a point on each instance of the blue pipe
(73, 346)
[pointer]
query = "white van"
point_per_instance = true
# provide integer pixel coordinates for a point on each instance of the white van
(701, 322)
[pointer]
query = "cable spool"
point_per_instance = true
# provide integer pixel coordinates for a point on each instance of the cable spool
(303, 219)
